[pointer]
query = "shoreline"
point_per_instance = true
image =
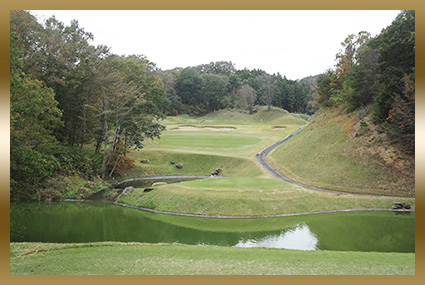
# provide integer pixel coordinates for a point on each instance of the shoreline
(245, 217)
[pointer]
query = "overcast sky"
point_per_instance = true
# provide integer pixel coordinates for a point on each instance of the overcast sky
(294, 43)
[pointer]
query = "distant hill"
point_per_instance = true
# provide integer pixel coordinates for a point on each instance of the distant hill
(309, 81)
(260, 116)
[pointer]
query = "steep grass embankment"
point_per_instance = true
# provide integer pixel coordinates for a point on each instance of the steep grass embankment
(338, 152)
(238, 196)
(159, 163)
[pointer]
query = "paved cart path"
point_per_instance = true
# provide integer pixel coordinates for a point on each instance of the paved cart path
(161, 177)
(261, 158)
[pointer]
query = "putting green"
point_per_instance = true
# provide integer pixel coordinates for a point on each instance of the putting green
(233, 182)
(207, 140)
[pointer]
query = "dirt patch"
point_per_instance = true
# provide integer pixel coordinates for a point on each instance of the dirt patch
(389, 157)
(375, 143)
(193, 128)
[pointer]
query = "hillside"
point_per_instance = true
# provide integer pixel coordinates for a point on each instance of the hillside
(324, 152)
(234, 117)
(225, 139)
(345, 152)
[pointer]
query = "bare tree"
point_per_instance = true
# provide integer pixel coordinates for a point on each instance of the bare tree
(268, 89)
(246, 97)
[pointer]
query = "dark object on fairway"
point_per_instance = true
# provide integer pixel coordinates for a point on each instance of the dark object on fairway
(179, 166)
(147, 190)
(146, 161)
(216, 172)
(401, 206)
(172, 162)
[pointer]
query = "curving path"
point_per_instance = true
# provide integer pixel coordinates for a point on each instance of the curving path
(261, 158)
(162, 177)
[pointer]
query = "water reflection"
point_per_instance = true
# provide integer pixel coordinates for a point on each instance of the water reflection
(298, 237)
(93, 222)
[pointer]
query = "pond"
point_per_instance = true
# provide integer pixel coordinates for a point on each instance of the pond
(95, 221)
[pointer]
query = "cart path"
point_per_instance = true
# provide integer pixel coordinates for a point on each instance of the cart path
(261, 158)
(162, 177)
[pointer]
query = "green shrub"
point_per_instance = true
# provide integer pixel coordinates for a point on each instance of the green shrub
(29, 168)
(74, 161)
(363, 124)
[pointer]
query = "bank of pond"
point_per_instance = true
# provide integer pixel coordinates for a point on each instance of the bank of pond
(76, 222)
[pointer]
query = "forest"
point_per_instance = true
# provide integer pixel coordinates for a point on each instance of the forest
(77, 108)
(377, 74)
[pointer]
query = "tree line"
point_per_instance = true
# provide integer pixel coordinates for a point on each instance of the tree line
(219, 85)
(377, 74)
(66, 93)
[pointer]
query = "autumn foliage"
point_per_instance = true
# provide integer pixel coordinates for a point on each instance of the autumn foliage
(377, 72)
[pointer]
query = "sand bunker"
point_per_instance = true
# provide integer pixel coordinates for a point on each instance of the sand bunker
(193, 128)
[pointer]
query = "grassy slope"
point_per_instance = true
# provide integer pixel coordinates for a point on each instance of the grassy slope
(193, 163)
(203, 151)
(148, 259)
(327, 154)
(232, 196)
(247, 197)
(274, 117)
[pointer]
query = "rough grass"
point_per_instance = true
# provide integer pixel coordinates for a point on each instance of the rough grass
(325, 155)
(247, 197)
(176, 259)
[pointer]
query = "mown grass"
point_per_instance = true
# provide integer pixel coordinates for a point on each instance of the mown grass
(245, 141)
(234, 183)
(247, 197)
(241, 194)
(322, 154)
(159, 163)
(207, 139)
(325, 156)
(203, 151)
(234, 117)
(175, 259)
